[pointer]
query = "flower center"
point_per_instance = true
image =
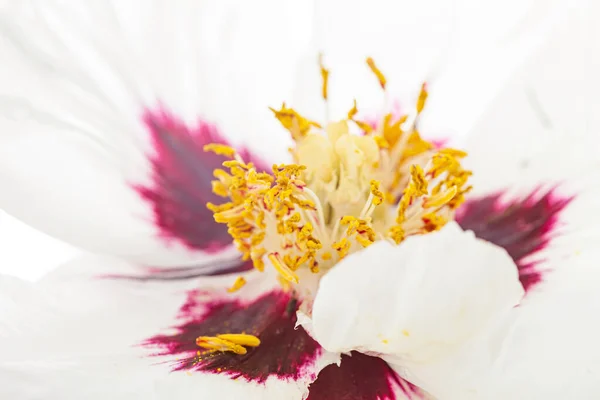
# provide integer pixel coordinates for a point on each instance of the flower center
(344, 191)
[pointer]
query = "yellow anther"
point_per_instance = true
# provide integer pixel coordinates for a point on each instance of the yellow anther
(454, 152)
(347, 219)
(304, 204)
(418, 180)
(222, 175)
(238, 168)
(342, 247)
(313, 244)
(283, 269)
(353, 111)
(220, 149)
(217, 344)
(364, 241)
(306, 231)
(433, 222)
(237, 285)
(377, 72)
(459, 199)
(324, 77)
(397, 234)
(294, 122)
(241, 338)
(441, 198)
(363, 126)
(217, 208)
(294, 218)
(378, 195)
(257, 258)
(422, 98)
(258, 238)
(393, 131)
(382, 142)
(314, 267)
(220, 189)
(260, 220)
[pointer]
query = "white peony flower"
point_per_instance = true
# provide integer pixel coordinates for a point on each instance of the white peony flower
(369, 262)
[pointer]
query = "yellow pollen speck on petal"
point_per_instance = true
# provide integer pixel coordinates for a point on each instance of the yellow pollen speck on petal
(377, 72)
(237, 285)
(405, 333)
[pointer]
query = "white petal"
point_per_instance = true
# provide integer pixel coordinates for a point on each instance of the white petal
(545, 349)
(416, 303)
(79, 338)
(17, 257)
(552, 349)
(540, 134)
(465, 50)
(76, 79)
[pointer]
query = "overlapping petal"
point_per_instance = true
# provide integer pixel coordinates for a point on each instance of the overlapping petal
(417, 303)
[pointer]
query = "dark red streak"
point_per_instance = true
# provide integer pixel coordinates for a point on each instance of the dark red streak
(521, 226)
(284, 351)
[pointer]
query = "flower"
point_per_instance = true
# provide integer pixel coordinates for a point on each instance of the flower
(348, 277)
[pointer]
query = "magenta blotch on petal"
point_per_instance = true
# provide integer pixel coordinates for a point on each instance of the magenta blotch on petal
(361, 377)
(181, 181)
(284, 352)
(521, 226)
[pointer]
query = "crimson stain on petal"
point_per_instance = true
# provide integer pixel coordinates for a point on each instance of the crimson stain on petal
(181, 181)
(284, 351)
(521, 226)
(361, 377)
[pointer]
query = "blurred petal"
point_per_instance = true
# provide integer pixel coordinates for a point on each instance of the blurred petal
(78, 334)
(97, 102)
(465, 50)
(551, 351)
